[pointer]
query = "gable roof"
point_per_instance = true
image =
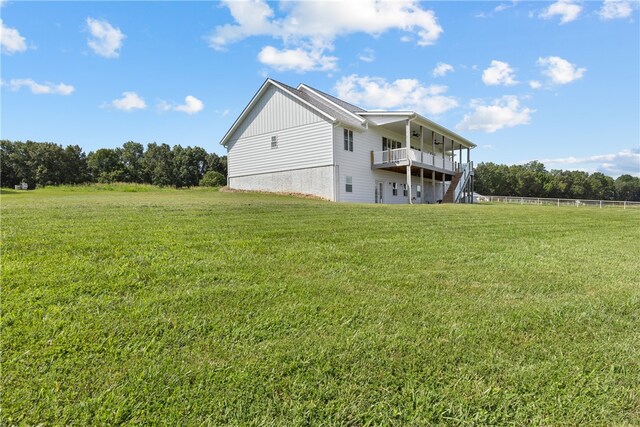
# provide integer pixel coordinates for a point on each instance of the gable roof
(336, 110)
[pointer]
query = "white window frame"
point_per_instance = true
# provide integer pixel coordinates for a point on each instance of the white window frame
(348, 184)
(274, 141)
(348, 140)
(394, 188)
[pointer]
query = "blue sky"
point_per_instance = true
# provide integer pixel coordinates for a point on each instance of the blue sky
(552, 81)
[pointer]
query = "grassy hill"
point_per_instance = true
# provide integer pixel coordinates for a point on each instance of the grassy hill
(136, 305)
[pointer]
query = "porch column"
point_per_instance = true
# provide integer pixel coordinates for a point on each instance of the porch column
(453, 153)
(468, 154)
(460, 154)
(433, 172)
(443, 165)
(433, 185)
(421, 168)
(408, 138)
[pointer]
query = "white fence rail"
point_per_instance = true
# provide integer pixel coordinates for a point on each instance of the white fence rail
(558, 202)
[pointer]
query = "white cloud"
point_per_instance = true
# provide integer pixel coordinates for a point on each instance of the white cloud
(504, 6)
(46, 88)
(106, 40)
(316, 21)
(296, 59)
(501, 113)
(311, 27)
(367, 55)
(130, 101)
(11, 40)
(442, 69)
(559, 70)
(500, 8)
(617, 9)
(192, 105)
(534, 84)
(566, 9)
(376, 92)
(499, 73)
(623, 162)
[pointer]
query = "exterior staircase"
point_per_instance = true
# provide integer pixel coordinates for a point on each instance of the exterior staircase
(450, 194)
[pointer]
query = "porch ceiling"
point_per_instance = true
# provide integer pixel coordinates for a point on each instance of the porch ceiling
(395, 122)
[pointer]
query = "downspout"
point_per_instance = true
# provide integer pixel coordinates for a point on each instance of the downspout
(336, 175)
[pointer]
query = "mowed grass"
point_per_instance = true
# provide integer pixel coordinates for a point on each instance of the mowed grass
(199, 307)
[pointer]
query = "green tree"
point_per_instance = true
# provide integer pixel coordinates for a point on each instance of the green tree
(627, 188)
(131, 156)
(213, 179)
(105, 165)
(601, 187)
(157, 165)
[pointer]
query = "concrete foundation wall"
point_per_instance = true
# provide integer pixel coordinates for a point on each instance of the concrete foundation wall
(317, 181)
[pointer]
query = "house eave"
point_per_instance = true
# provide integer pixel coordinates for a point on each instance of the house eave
(423, 121)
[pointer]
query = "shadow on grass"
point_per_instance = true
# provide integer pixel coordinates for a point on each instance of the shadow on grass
(7, 191)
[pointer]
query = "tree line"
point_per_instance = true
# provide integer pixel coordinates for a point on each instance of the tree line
(533, 180)
(45, 163)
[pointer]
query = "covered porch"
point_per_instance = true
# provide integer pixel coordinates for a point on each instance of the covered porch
(428, 151)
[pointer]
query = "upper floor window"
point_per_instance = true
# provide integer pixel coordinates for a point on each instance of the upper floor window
(274, 141)
(390, 144)
(349, 184)
(348, 140)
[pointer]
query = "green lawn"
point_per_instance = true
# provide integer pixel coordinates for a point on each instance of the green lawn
(200, 307)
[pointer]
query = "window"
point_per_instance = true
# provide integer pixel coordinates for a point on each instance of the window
(394, 188)
(349, 185)
(390, 144)
(418, 191)
(274, 141)
(404, 190)
(348, 140)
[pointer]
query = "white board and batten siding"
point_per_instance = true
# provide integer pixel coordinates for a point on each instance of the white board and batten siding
(357, 165)
(302, 162)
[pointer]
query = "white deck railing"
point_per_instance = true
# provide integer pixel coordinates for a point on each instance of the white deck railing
(389, 156)
(425, 158)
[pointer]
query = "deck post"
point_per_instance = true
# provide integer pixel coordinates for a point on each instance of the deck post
(443, 165)
(433, 185)
(408, 138)
(460, 154)
(422, 161)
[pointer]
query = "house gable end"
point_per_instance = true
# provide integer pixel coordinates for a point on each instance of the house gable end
(273, 109)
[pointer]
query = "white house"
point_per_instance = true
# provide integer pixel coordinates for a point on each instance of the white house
(302, 140)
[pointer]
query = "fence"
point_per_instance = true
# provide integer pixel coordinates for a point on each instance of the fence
(558, 202)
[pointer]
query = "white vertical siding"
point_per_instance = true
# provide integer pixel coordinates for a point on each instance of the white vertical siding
(305, 138)
(276, 109)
